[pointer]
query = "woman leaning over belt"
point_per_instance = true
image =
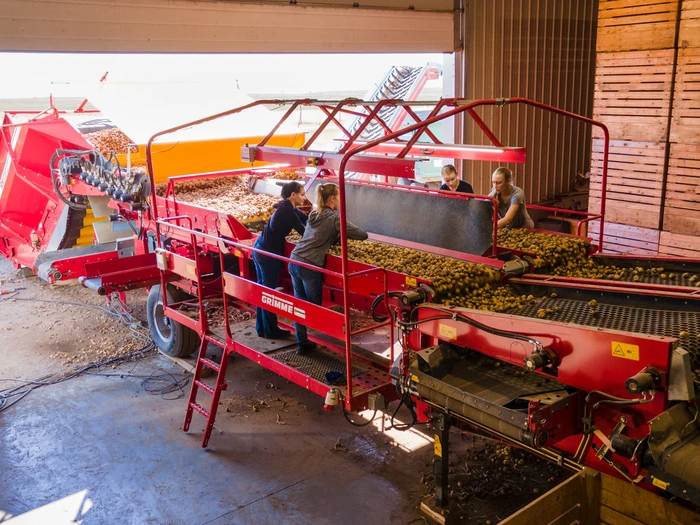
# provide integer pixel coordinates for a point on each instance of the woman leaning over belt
(285, 219)
(511, 201)
(322, 231)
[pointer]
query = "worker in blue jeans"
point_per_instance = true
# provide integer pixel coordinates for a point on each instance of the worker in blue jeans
(272, 239)
(322, 231)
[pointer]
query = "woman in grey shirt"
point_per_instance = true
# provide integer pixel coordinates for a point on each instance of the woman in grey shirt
(511, 201)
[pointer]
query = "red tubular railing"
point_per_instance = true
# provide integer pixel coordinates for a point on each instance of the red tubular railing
(588, 216)
(457, 106)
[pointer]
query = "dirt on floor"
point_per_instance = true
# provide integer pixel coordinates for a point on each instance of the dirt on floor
(66, 327)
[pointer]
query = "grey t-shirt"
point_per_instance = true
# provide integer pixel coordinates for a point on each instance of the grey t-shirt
(521, 218)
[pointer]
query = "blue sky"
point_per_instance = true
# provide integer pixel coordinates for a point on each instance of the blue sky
(32, 74)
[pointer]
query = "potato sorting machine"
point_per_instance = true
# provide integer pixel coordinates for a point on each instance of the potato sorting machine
(536, 338)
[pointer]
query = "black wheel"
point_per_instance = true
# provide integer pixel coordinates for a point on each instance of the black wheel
(170, 337)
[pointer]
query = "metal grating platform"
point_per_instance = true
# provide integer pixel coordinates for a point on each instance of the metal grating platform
(316, 364)
(668, 323)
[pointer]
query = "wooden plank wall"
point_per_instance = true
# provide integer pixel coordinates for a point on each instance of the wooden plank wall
(681, 214)
(621, 238)
(634, 169)
(648, 95)
(625, 25)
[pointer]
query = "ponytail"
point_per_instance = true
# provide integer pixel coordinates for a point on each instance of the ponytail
(323, 193)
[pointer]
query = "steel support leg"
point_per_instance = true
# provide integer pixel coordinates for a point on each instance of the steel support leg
(441, 450)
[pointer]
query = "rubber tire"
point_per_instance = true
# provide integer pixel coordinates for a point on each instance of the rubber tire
(182, 340)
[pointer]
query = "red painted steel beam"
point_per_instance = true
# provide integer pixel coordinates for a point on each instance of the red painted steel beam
(586, 354)
(639, 288)
(374, 165)
(304, 312)
(456, 151)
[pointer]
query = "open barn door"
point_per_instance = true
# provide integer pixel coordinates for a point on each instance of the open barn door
(208, 26)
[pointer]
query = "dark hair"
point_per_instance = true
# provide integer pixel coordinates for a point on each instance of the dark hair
(291, 187)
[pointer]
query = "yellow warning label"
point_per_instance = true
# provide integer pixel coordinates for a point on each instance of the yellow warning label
(659, 483)
(437, 447)
(411, 281)
(415, 378)
(192, 270)
(625, 351)
(448, 331)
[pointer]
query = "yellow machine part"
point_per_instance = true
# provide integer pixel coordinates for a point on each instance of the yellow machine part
(171, 159)
(87, 234)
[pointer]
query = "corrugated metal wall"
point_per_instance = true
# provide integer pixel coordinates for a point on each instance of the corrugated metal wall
(542, 50)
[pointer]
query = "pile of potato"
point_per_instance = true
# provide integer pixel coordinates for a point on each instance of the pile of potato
(456, 283)
(565, 256)
(286, 175)
(109, 140)
(230, 195)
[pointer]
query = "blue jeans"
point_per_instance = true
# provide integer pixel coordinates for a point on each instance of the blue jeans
(308, 285)
(267, 270)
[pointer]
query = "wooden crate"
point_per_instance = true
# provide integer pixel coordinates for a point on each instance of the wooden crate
(682, 204)
(679, 244)
(632, 25)
(635, 182)
(685, 124)
(633, 94)
(689, 34)
(565, 504)
(625, 239)
(623, 503)
(593, 498)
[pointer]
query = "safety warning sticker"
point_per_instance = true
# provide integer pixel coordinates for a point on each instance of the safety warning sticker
(625, 351)
(447, 332)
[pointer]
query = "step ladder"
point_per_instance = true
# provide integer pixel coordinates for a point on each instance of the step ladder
(215, 392)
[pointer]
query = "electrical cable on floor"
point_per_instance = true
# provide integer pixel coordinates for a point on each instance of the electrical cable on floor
(345, 413)
(12, 395)
(155, 384)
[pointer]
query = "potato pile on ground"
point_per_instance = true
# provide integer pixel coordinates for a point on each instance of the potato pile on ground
(228, 195)
(108, 140)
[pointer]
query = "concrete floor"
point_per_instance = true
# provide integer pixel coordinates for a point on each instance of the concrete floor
(103, 450)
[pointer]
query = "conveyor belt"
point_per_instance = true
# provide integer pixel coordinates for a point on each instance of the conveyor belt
(678, 280)
(453, 224)
(397, 84)
(650, 321)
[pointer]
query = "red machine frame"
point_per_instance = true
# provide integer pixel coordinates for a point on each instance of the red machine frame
(198, 236)
(343, 161)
